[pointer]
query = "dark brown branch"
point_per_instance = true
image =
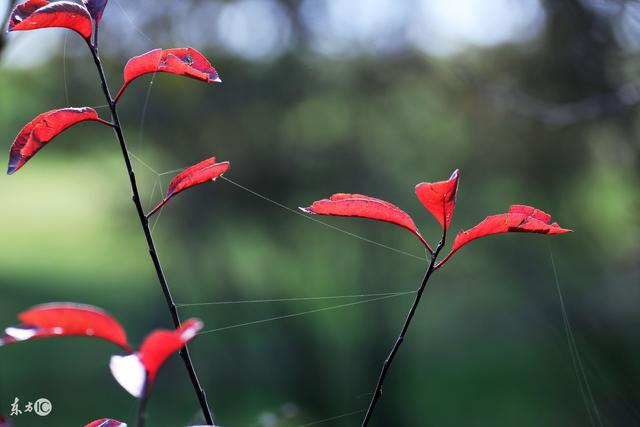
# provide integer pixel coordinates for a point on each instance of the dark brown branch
(5, 18)
(184, 353)
(389, 360)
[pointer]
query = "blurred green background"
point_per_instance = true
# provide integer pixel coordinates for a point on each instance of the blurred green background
(535, 101)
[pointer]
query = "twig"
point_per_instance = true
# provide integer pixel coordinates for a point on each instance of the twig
(184, 353)
(142, 407)
(5, 17)
(389, 360)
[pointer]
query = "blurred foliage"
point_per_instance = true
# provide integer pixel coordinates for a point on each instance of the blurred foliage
(544, 123)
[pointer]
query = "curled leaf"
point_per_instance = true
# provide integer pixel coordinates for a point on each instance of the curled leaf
(206, 170)
(35, 14)
(186, 62)
(439, 198)
(95, 8)
(38, 132)
(161, 344)
(136, 372)
(66, 319)
(520, 219)
(358, 205)
(106, 422)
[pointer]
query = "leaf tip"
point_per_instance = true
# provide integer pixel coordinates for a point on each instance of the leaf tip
(306, 210)
(13, 167)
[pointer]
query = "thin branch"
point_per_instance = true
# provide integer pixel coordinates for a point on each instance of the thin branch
(593, 107)
(184, 353)
(389, 360)
(142, 406)
(5, 17)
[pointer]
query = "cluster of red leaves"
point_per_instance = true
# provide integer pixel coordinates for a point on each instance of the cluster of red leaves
(136, 371)
(439, 198)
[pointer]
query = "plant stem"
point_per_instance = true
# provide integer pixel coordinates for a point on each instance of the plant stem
(184, 353)
(142, 407)
(389, 360)
(3, 36)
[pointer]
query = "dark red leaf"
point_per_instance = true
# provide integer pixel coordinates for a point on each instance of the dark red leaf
(358, 205)
(106, 422)
(207, 170)
(95, 8)
(43, 129)
(181, 61)
(440, 198)
(5, 422)
(36, 14)
(66, 319)
(520, 219)
(136, 372)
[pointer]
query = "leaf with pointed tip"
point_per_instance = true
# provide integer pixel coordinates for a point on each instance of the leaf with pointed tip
(66, 319)
(106, 422)
(161, 344)
(520, 219)
(38, 132)
(136, 372)
(206, 170)
(95, 8)
(439, 198)
(185, 61)
(361, 206)
(35, 14)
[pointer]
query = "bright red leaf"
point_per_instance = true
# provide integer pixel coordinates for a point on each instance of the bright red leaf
(520, 219)
(358, 205)
(439, 198)
(207, 170)
(161, 344)
(106, 422)
(95, 8)
(66, 319)
(181, 61)
(35, 14)
(43, 129)
(136, 372)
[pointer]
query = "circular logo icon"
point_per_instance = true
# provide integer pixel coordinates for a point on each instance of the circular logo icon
(42, 407)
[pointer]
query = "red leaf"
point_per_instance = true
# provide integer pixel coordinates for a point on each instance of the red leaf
(4, 422)
(95, 8)
(358, 205)
(136, 372)
(207, 170)
(66, 319)
(106, 422)
(181, 61)
(36, 14)
(520, 219)
(43, 129)
(161, 344)
(439, 198)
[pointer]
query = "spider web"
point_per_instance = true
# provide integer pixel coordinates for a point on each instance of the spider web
(157, 190)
